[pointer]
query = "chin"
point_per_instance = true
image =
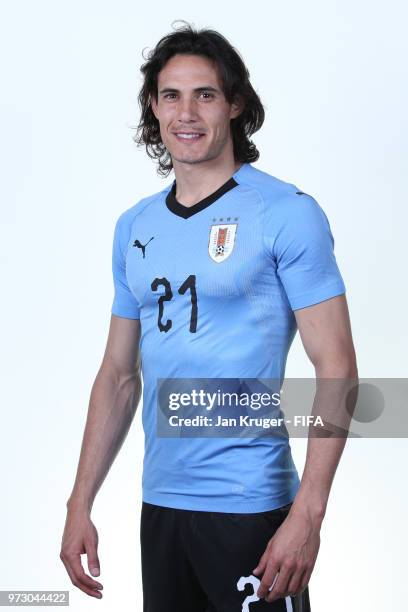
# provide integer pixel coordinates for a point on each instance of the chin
(190, 159)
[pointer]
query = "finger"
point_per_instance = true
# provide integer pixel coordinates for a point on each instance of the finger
(305, 579)
(280, 588)
(295, 582)
(270, 575)
(75, 581)
(83, 577)
(93, 560)
(78, 571)
(260, 568)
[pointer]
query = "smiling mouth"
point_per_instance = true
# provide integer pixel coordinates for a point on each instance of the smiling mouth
(188, 137)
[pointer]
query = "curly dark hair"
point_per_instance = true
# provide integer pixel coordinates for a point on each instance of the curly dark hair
(235, 83)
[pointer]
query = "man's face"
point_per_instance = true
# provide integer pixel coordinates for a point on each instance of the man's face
(191, 108)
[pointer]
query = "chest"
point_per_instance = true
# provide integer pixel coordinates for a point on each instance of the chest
(223, 254)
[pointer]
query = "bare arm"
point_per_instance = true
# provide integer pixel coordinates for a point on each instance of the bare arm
(114, 398)
(113, 402)
(291, 553)
(326, 335)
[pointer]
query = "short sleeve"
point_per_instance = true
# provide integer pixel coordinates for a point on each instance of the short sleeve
(303, 250)
(124, 302)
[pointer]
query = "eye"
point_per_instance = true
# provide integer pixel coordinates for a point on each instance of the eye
(207, 93)
(169, 94)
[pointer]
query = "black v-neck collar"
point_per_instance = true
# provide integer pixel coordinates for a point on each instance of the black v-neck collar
(188, 211)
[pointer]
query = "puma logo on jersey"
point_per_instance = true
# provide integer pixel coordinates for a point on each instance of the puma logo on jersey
(142, 246)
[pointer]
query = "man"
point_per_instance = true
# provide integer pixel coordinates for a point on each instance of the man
(213, 275)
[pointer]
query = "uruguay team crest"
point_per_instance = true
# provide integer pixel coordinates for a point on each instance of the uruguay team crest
(222, 240)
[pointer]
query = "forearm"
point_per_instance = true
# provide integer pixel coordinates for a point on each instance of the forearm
(112, 406)
(323, 456)
(324, 453)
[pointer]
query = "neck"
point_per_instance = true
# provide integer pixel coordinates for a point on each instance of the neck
(194, 182)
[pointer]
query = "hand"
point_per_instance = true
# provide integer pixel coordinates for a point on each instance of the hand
(80, 536)
(290, 555)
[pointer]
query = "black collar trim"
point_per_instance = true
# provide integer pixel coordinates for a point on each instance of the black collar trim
(188, 211)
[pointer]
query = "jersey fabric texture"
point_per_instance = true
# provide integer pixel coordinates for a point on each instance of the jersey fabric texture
(215, 286)
(204, 561)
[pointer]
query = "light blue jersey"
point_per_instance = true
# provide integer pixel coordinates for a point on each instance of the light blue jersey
(215, 286)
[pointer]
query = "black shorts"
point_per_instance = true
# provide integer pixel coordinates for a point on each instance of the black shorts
(195, 561)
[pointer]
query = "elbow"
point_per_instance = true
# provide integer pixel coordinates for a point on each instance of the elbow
(338, 365)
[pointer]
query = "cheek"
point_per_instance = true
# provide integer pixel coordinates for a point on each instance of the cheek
(165, 127)
(221, 128)
(165, 119)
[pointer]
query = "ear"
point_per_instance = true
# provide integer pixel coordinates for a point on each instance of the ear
(237, 107)
(153, 104)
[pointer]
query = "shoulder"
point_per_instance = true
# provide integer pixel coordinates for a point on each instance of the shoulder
(284, 203)
(269, 187)
(128, 216)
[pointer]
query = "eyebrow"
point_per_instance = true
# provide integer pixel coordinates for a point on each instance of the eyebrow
(196, 89)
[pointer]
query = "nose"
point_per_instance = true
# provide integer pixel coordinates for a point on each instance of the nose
(186, 109)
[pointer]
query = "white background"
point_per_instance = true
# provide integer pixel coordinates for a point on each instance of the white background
(331, 76)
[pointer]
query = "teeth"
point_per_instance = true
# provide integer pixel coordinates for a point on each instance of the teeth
(189, 135)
